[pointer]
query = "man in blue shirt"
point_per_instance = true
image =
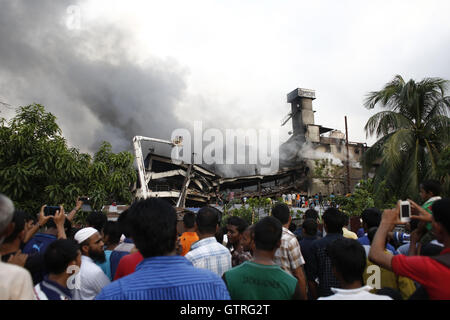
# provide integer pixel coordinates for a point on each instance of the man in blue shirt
(162, 275)
(371, 218)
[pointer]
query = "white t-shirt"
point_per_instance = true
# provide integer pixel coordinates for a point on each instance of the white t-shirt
(354, 294)
(91, 279)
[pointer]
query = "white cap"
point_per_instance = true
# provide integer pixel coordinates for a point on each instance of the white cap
(84, 234)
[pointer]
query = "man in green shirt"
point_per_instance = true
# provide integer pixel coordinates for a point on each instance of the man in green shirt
(261, 278)
(429, 192)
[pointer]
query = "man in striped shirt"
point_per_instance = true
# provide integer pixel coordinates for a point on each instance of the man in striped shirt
(207, 253)
(162, 275)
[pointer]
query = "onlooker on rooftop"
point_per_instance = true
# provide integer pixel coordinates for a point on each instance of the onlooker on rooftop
(261, 278)
(162, 275)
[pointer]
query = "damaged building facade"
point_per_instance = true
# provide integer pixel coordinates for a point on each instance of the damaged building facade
(191, 185)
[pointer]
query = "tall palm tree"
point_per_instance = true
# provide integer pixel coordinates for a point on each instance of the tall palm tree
(411, 133)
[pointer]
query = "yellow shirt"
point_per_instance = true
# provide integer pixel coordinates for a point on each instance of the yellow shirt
(349, 234)
(389, 279)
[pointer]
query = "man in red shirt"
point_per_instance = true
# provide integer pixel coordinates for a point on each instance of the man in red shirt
(127, 264)
(433, 273)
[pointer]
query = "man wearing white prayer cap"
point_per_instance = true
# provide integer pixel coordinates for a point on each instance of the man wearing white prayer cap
(91, 279)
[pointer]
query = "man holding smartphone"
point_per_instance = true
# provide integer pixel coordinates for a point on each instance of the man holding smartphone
(433, 273)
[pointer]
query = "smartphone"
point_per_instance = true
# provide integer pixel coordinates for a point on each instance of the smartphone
(405, 211)
(50, 210)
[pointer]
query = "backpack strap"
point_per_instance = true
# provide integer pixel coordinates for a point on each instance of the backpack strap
(443, 259)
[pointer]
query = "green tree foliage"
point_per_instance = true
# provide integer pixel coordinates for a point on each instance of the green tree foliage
(37, 167)
(412, 133)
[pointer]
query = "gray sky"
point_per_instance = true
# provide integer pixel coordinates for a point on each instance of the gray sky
(148, 67)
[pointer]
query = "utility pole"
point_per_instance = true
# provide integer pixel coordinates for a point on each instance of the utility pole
(348, 155)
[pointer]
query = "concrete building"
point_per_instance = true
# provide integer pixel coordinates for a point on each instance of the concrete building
(310, 141)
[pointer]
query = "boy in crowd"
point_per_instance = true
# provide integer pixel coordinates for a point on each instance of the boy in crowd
(261, 278)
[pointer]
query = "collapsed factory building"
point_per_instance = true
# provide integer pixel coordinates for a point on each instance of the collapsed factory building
(191, 185)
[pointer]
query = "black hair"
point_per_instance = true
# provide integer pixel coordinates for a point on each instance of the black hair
(189, 219)
(281, 212)
(334, 220)
(220, 233)
(267, 233)
(19, 218)
(432, 186)
(348, 258)
(240, 223)
(124, 225)
(112, 230)
(292, 227)
(371, 233)
(207, 220)
(372, 217)
(440, 209)
(346, 219)
(59, 254)
(311, 214)
(310, 226)
(97, 220)
(153, 223)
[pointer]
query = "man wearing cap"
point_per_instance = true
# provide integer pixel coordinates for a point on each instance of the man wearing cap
(91, 279)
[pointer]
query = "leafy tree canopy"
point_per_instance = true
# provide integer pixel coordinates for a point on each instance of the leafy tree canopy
(37, 167)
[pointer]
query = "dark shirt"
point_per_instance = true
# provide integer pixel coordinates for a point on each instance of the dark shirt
(39, 243)
(320, 265)
(115, 257)
(299, 234)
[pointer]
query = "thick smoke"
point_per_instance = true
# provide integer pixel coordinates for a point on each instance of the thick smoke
(88, 78)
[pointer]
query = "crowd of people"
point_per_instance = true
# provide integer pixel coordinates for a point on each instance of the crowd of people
(142, 255)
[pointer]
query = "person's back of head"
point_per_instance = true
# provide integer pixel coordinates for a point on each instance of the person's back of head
(60, 254)
(153, 224)
(348, 258)
(189, 220)
(6, 216)
(333, 220)
(371, 233)
(207, 220)
(238, 222)
(432, 187)
(124, 224)
(267, 234)
(310, 227)
(281, 212)
(311, 214)
(371, 217)
(441, 214)
(19, 219)
(112, 233)
(97, 220)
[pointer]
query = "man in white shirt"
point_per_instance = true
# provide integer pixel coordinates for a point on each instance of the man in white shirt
(15, 281)
(348, 259)
(91, 279)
